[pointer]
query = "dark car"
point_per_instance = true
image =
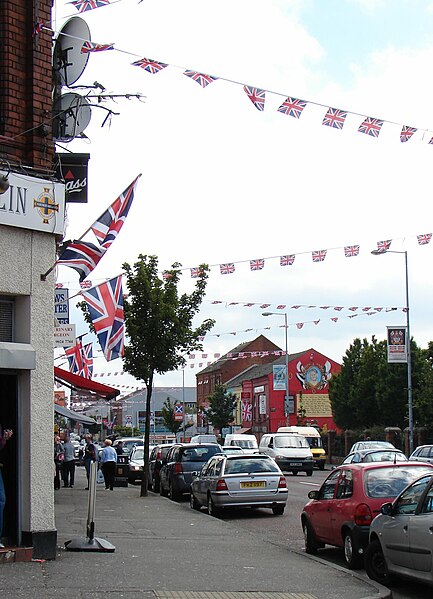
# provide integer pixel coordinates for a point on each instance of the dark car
(157, 460)
(375, 455)
(182, 460)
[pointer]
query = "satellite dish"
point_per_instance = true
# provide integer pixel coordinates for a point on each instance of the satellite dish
(71, 115)
(68, 61)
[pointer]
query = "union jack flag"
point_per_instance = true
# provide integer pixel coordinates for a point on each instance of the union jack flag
(58, 285)
(281, 306)
(75, 356)
(87, 359)
(257, 264)
(431, 141)
(81, 256)
(353, 308)
(382, 246)
(351, 250)
(92, 47)
(299, 325)
(292, 107)
(227, 269)
(39, 26)
(84, 5)
(247, 411)
(263, 306)
(371, 126)
(319, 255)
(334, 319)
(406, 133)
(107, 226)
(287, 260)
(149, 65)
(424, 239)
(86, 284)
(166, 275)
(201, 78)
(105, 303)
(256, 95)
(334, 118)
(195, 272)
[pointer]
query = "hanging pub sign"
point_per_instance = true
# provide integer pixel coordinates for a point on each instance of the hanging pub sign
(397, 344)
(73, 170)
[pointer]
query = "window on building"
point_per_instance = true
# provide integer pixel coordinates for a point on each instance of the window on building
(6, 319)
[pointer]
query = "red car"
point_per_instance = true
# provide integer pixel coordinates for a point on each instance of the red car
(341, 511)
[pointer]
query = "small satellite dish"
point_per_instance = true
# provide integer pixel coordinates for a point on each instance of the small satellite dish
(68, 61)
(71, 115)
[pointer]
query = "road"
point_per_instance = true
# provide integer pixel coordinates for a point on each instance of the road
(286, 530)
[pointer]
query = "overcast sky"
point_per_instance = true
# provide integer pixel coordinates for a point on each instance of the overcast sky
(224, 182)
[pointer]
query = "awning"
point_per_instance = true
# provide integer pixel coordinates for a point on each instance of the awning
(79, 382)
(73, 415)
(243, 431)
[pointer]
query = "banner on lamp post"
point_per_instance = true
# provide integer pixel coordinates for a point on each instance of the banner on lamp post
(397, 344)
(279, 377)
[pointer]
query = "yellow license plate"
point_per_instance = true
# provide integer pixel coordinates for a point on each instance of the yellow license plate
(253, 484)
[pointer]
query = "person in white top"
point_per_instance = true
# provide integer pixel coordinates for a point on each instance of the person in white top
(108, 461)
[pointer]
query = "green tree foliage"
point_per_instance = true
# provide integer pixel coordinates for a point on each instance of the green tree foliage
(167, 413)
(371, 392)
(159, 326)
(221, 407)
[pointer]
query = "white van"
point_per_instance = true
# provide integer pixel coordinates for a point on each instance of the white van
(314, 439)
(247, 442)
(202, 438)
(291, 451)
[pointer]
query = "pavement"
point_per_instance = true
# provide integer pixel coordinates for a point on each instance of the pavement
(165, 550)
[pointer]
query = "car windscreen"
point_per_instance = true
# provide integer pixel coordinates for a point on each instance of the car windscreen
(138, 454)
(290, 441)
(390, 481)
(249, 465)
(199, 454)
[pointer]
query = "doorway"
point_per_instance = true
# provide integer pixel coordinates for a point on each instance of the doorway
(9, 456)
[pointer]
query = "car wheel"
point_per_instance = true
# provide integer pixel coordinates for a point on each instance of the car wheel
(162, 491)
(278, 510)
(309, 539)
(309, 472)
(351, 555)
(375, 564)
(212, 510)
(155, 485)
(322, 466)
(173, 495)
(194, 504)
(295, 472)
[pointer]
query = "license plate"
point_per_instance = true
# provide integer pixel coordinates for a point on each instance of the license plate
(253, 484)
(294, 464)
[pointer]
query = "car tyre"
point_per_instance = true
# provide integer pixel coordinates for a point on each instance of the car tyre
(162, 491)
(322, 466)
(212, 510)
(278, 510)
(295, 472)
(309, 472)
(173, 495)
(311, 545)
(375, 564)
(194, 504)
(155, 485)
(351, 555)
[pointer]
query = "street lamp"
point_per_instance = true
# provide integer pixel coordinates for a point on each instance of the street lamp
(287, 352)
(409, 356)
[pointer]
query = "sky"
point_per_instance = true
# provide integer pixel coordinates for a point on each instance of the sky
(224, 182)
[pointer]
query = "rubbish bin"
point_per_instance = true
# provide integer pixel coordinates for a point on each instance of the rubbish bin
(122, 471)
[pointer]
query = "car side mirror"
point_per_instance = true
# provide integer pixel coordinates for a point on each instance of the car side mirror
(270, 444)
(386, 509)
(313, 495)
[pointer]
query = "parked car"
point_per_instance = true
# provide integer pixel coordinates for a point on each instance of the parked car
(371, 445)
(128, 443)
(232, 449)
(341, 511)
(314, 439)
(375, 455)
(423, 453)
(248, 480)
(401, 541)
(183, 459)
(247, 442)
(291, 451)
(136, 462)
(204, 438)
(157, 459)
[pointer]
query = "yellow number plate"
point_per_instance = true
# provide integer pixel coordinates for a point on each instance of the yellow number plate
(253, 485)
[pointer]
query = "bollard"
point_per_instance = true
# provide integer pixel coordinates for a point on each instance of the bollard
(90, 543)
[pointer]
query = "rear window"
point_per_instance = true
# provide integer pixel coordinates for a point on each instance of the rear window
(244, 443)
(138, 454)
(247, 465)
(390, 481)
(199, 454)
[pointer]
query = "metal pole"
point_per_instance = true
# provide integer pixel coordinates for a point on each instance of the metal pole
(409, 361)
(287, 364)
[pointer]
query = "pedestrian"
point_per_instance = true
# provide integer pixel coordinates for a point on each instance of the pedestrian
(68, 467)
(5, 435)
(59, 455)
(89, 456)
(108, 461)
(119, 448)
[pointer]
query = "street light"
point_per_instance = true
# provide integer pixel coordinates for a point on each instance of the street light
(287, 352)
(409, 356)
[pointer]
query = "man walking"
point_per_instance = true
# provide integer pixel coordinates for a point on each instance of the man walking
(108, 461)
(68, 466)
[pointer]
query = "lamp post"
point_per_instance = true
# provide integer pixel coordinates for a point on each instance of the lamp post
(287, 347)
(409, 355)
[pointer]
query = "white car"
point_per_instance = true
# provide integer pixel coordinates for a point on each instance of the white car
(136, 463)
(371, 445)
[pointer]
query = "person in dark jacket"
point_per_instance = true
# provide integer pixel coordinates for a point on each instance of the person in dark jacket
(58, 460)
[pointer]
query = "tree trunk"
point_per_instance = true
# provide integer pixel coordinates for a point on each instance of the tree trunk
(144, 481)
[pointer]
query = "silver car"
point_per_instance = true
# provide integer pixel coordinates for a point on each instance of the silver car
(368, 444)
(233, 481)
(423, 453)
(401, 539)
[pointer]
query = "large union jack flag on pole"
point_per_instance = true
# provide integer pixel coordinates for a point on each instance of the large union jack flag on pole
(81, 256)
(108, 225)
(334, 118)
(371, 126)
(201, 78)
(105, 303)
(87, 359)
(149, 65)
(292, 107)
(84, 5)
(256, 95)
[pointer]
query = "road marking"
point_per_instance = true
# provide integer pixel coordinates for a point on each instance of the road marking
(311, 484)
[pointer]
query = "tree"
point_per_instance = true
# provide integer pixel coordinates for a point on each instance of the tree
(221, 407)
(168, 414)
(159, 329)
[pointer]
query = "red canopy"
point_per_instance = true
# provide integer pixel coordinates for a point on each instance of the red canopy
(79, 382)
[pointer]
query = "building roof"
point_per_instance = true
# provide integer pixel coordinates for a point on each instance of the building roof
(257, 371)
